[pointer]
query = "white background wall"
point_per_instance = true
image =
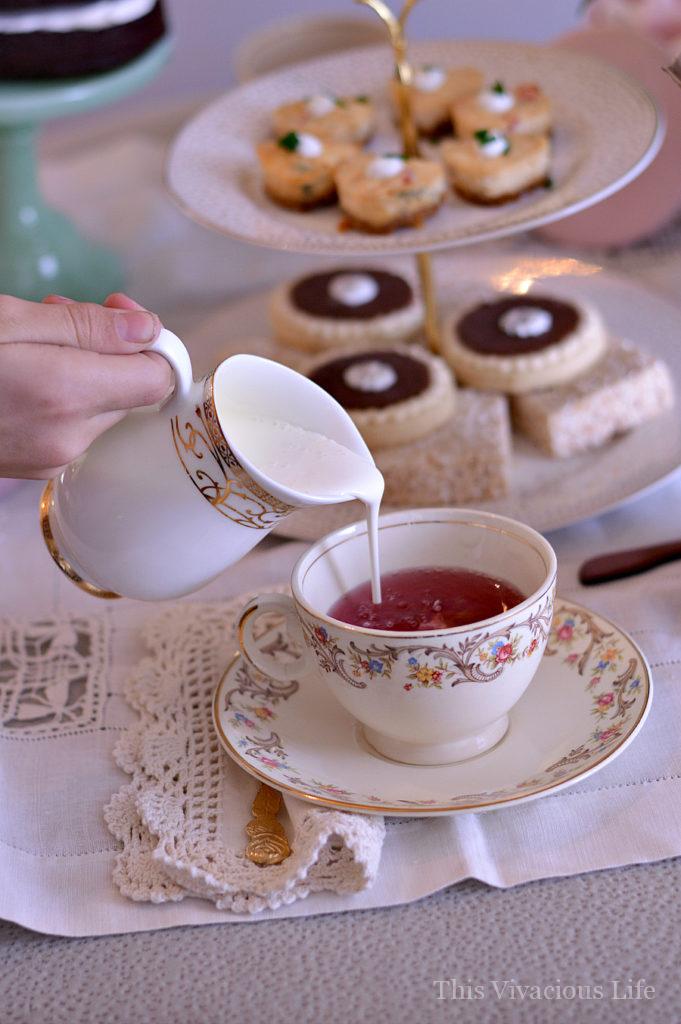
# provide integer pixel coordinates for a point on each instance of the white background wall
(207, 31)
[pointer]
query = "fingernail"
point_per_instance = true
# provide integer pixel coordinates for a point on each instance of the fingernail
(137, 326)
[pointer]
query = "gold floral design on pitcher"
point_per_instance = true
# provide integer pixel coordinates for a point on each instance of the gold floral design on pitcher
(217, 474)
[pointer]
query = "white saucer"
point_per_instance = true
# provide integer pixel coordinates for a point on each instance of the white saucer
(607, 130)
(587, 702)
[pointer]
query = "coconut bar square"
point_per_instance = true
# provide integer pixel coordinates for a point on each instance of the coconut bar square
(468, 459)
(625, 388)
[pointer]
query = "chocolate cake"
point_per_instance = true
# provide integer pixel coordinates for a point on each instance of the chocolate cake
(47, 39)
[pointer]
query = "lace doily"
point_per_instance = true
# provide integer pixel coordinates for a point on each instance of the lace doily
(176, 818)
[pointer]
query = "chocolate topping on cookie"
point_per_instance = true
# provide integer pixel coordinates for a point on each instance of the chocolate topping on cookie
(315, 295)
(489, 329)
(404, 377)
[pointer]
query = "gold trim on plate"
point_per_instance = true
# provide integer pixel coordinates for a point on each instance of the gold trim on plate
(46, 529)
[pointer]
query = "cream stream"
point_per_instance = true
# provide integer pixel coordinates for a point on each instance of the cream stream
(313, 465)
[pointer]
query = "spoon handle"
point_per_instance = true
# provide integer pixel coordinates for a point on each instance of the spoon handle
(267, 842)
(619, 564)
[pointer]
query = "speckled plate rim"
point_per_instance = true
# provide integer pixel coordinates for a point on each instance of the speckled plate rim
(579, 775)
(428, 238)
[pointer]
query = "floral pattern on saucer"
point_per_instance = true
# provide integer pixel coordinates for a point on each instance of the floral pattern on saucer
(616, 685)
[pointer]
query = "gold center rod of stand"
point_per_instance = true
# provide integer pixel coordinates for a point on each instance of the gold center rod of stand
(403, 72)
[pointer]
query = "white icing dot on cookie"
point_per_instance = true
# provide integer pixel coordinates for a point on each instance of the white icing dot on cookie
(371, 375)
(495, 100)
(385, 166)
(492, 144)
(318, 106)
(353, 289)
(308, 145)
(429, 78)
(526, 322)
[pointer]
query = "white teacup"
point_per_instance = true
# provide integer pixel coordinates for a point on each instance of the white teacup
(429, 697)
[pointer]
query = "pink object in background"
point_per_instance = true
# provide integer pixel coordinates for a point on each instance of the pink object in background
(658, 19)
(654, 198)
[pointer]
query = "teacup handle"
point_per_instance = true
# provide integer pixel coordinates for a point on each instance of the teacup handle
(263, 662)
(171, 348)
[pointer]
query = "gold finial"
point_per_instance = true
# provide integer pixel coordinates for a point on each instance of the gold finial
(267, 842)
(396, 29)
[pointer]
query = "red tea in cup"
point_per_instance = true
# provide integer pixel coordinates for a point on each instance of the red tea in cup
(427, 598)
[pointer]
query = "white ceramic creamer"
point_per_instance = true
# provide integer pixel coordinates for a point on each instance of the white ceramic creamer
(168, 498)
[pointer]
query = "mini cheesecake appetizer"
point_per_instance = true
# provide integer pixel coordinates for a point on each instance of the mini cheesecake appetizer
(519, 343)
(525, 110)
(394, 396)
(432, 93)
(492, 168)
(298, 169)
(330, 118)
(379, 194)
(347, 306)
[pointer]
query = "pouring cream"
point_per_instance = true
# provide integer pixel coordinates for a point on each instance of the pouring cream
(310, 464)
(168, 498)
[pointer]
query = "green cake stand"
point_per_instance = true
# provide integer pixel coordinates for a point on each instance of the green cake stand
(40, 250)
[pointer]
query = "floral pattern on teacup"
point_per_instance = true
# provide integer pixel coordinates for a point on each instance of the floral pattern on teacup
(478, 658)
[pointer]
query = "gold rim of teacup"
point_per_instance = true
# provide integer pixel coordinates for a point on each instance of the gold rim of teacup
(349, 533)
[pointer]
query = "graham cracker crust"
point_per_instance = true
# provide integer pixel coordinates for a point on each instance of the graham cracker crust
(349, 223)
(302, 206)
(508, 197)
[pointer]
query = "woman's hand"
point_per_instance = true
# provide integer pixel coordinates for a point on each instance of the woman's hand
(69, 371)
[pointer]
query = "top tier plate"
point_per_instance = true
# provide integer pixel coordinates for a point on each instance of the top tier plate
(607, 130)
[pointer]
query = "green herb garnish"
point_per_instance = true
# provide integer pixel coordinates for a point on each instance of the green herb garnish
(340, 102)
(549, 182)
(289, 141)
(361, 99)
(498, 87)
(484, 136)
